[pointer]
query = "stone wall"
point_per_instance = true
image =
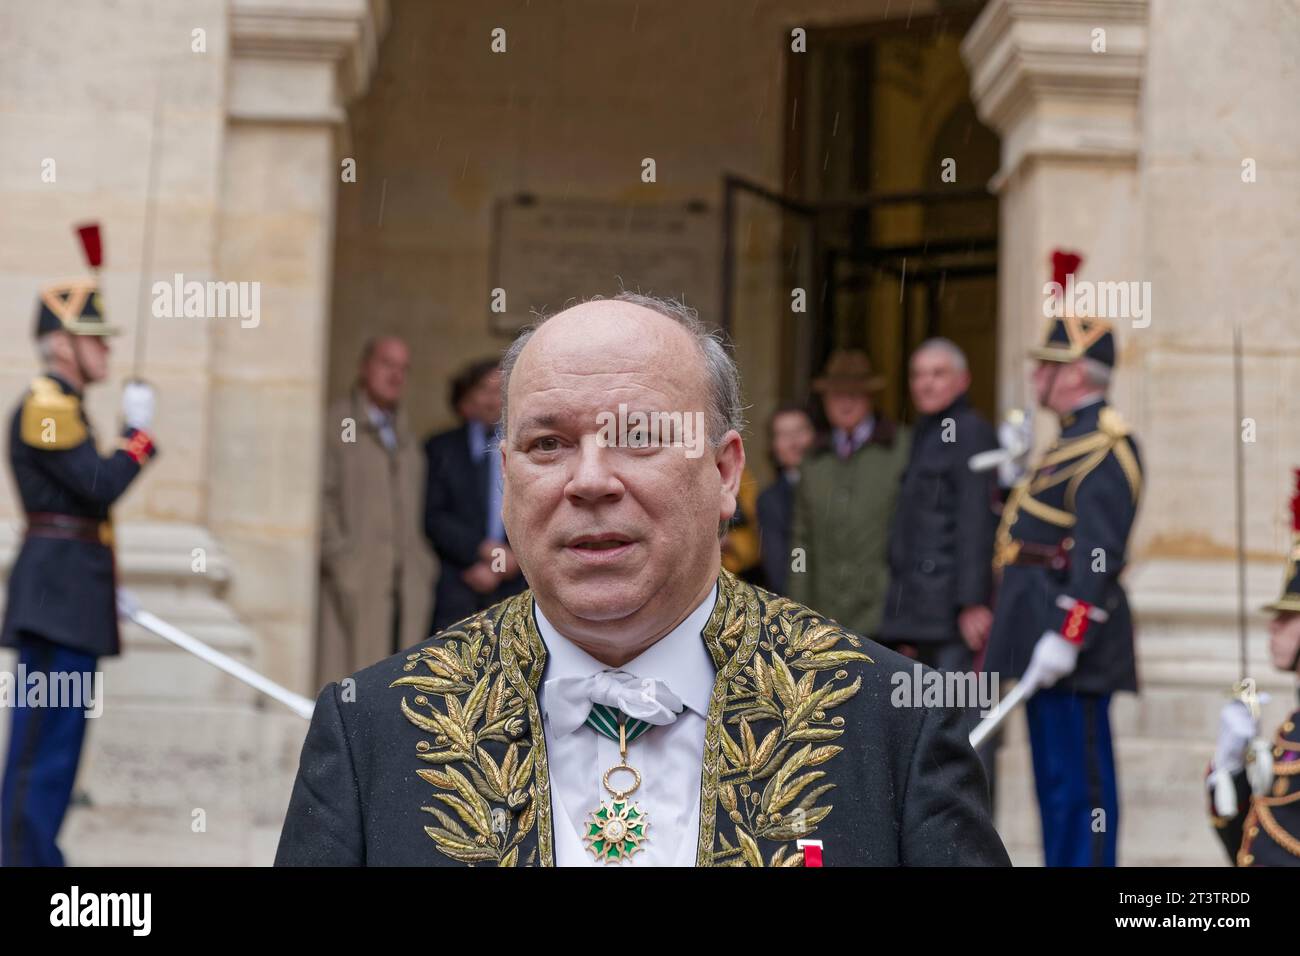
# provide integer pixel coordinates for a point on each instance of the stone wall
(584, 92)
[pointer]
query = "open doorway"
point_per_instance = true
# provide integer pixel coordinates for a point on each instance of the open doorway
(885, 218)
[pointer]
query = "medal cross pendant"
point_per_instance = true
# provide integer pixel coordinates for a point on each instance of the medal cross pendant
(616, 829)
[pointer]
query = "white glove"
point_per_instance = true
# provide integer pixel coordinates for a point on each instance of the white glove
(1237, 728)
(1259, 769)
(1054, 657)
(138, 405)
(1016, 436)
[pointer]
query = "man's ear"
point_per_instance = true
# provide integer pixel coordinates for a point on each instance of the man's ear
(730, 457)
(64, 346)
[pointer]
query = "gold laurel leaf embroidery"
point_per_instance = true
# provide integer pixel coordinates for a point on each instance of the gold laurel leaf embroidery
(464, 811)
(476, 703)
(828, 659)
(749, 848)
(431, 685)
(837, 697)
(421, 721)
(784, 682)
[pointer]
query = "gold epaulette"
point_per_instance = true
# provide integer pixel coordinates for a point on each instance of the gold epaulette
(1085, 453)
(51, 419)
(1111, 422)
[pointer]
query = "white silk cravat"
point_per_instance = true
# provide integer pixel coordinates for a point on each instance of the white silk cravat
(569, 699)
(669, 757)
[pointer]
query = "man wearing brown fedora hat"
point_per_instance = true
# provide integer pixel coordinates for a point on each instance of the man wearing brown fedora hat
(846, 499)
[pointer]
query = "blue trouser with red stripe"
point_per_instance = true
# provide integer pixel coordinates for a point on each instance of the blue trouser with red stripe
(41, 762)
(1074, 774)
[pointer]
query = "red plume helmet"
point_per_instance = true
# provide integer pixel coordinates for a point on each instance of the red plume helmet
(1064, 264)
(90, 242)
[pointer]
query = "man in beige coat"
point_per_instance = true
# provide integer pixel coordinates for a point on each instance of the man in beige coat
(376, 569)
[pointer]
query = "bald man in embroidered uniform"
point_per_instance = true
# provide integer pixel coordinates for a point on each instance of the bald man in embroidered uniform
(638, 705)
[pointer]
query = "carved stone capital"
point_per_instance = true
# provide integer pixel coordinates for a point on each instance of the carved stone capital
(1040, 78)
(302, 61)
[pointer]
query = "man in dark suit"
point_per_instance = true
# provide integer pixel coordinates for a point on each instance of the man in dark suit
(61, 608)
(790, 434)
(623, 667)
(941, 539)
(462, 508)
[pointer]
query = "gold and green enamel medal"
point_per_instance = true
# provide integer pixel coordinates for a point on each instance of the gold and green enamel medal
(617, 828)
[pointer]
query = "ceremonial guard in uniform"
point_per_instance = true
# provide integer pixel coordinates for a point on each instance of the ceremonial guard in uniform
(61, 610)
(1254, 784)
(1061, 620)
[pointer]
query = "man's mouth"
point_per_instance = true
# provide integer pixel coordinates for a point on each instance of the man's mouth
(598, 550)
(600, 542)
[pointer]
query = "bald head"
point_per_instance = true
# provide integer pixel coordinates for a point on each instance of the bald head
(385, 361)
(724, 411)
(618, 540)
(622, 347)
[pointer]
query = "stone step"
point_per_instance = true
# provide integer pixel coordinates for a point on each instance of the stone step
(1163, 818)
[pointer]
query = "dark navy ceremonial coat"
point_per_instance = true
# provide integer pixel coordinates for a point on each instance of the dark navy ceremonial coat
(63, 584)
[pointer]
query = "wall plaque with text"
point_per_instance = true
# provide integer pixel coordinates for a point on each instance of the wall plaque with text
(549, 253)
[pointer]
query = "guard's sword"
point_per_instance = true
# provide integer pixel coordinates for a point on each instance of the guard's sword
(1259, 764)
(129, 608)
(1019, 694)
(146, 240)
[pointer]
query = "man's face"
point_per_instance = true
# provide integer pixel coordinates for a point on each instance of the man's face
(483, 402)
(383, 376)
(792, 436)
(846, 409)
(607, 533)
(1284, 639)
(92, 353)
(1052, 381)
(935, 381)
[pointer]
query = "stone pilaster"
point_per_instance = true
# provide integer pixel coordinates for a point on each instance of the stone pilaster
(293, 69)
(1069, 122)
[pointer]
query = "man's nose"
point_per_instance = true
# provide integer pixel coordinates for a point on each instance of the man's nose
(593, 476)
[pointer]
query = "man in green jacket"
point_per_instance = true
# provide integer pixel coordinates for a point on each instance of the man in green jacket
(846, 499)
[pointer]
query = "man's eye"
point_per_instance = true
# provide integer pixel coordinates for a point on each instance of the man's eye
(546, 444)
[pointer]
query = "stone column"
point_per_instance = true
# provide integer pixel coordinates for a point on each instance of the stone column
(293, 69)
(1068, 118)
(1081, 132)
